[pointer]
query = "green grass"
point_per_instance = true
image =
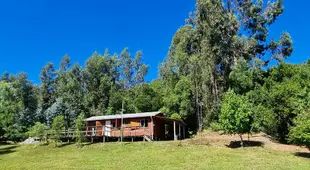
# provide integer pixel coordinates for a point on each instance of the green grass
(139, 155)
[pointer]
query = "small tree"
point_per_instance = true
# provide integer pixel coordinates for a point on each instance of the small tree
(79, 125)
(57, 128)
(175, 116)
(236, 116)
(300, 133)
(38, 130)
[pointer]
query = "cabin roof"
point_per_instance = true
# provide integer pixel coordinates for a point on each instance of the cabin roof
(125, 115)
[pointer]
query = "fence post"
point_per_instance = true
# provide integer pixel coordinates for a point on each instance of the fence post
(174, 131)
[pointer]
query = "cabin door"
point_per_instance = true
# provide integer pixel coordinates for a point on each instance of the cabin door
(107, 131)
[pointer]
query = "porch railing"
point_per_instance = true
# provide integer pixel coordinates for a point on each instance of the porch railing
(116, 131)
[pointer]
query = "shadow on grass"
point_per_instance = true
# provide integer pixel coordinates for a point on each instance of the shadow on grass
(303, 154)
(65, 144)
(237, 144)
(7, 150)
(83, 144)
(197, 142)
(86, 144)
(3, 143)
(126, 143)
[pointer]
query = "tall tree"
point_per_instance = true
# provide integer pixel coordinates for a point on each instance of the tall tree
(140, 69)
(215, 37)
(126, 66)
(70, 90)
(25, 91)
(5, 77)
(98, 82)
(48, 86)
(9, 106)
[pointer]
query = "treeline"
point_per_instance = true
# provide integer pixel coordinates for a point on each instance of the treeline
(223, 70)
(100, 88)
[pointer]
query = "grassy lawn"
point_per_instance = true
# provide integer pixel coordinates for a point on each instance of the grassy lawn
(139, 155)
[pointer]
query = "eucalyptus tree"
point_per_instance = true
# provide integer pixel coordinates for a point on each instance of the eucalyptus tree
(48, 86)
(216, 36)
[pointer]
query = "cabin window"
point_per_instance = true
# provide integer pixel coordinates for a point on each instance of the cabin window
(126, 121)
(144, 123)
(114, 124)
(93, 123)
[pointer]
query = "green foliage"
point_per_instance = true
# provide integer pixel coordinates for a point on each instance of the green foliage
(236, 115)
(175, 116)
(143, 93)
(57, 128)
(10, 105)
(98, 89)
(224, 45)
(14, 133)
(79, 127)
(300, 133)
(213, 51)
(215, 126)
(38, 130)
(48, 86)
(287, 95)
(98, 83)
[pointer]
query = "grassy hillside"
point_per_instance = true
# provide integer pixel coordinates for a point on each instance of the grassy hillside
(139, 155)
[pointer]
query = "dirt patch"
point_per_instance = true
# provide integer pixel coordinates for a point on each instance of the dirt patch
(233, 141)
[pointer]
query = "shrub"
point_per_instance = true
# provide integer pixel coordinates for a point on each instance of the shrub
(38, 130)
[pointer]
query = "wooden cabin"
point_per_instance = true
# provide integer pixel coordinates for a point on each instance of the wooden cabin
(148, 125)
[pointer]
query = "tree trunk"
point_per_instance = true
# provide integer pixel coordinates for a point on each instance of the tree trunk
(235, 61)
(199, 117)
(241, 141)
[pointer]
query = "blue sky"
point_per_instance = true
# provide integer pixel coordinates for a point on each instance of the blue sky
(33, 33)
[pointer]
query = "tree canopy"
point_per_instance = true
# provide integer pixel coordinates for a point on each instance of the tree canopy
(222, 67)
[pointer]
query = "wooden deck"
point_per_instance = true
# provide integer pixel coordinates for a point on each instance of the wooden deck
(132, 131)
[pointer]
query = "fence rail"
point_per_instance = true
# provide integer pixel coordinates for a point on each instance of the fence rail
(129, 131)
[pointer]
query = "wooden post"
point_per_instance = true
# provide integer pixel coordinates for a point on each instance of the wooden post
(179, 136)
(183, 132)
(174, 132)
(86, 130)
(92, 135)
(152, 124)
(103, 140)
(122, 129)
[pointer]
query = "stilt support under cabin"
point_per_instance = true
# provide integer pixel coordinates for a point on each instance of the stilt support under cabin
(179, 135)
(174, 132)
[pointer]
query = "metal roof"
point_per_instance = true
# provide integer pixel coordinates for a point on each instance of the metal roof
(125, 115)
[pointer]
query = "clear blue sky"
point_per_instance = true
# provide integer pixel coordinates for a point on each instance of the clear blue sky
(33, 33)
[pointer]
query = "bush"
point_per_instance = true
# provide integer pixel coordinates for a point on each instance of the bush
(215, 126)
(236, 115)
(38, 130)
(57, 128)
(79, 125)
(175, 116)
(14, 133)
(300, 133)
